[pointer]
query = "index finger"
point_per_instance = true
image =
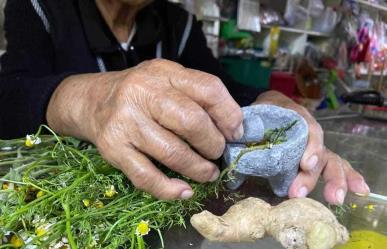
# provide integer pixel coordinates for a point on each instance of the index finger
(210, 93)
(145, 176)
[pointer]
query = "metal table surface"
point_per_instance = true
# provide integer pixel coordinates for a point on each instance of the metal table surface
(362, 142)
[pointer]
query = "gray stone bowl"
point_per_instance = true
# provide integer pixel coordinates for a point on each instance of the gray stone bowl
(280, 163)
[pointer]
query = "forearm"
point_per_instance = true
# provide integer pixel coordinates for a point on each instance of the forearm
(73, 103)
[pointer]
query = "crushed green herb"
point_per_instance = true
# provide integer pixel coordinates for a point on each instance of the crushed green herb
(271, 137)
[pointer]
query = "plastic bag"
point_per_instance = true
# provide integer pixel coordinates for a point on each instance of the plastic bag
(316, 7)
(248, 15)
(327, 21)
(270, 17)
(295, 13)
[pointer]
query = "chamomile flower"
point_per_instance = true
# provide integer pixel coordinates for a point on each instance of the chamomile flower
(16, 242)
(40, 231)
(86, 202)
(5, 186)
(111, 191)
(98, 204)
(142, 228)
(370, 207)
(32, 140)
(59, 245)
(39, 194)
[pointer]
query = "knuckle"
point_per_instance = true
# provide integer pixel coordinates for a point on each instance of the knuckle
(236, 118)
(193, 118)
(356, 176)
(214, 87)
(215, 82)
(103, 141)
(155, 62)
(141, 180)
(175, 155)
(159, 63)
(217, 149)
(205, 173)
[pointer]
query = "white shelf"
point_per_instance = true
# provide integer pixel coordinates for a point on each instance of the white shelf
(373, 5)
(299, 31)
(364, 72)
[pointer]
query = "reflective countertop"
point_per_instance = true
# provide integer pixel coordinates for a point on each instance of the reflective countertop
(361, 141)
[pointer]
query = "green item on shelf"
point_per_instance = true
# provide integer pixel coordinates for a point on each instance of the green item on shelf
(229, 31)
(252, 72)
(330, 90)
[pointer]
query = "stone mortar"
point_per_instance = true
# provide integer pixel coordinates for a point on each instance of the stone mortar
(280, 163)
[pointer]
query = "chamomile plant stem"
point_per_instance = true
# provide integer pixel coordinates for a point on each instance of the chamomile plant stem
(61, 185)
(70, 237)
(161, 238)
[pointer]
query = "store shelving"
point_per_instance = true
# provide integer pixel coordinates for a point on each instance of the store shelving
(372, 5)
(298, 31)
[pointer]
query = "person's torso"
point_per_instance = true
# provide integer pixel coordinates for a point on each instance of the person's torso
(83, 42)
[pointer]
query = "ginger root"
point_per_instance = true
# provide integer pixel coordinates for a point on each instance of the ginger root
(296, 223)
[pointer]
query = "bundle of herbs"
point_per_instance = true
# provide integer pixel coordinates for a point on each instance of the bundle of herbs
(58, 192)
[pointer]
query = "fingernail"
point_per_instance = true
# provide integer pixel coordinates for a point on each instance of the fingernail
(312, 162)
(186, 194)
(340, 195)
(238, 133)
(302, 192)
(214, 176)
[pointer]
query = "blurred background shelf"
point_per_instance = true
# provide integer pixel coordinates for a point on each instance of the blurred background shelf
(298, 31)
(372, 5)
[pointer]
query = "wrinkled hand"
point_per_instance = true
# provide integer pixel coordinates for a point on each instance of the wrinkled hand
(158, 109)
(338, 174)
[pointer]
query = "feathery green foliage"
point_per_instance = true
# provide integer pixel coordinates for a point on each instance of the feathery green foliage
(62, 192)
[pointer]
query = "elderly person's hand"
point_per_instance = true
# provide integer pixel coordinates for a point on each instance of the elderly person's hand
(338, 174)
(158, 109)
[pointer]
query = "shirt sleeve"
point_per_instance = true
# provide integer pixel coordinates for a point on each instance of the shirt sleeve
(198, 56)
(27, 77)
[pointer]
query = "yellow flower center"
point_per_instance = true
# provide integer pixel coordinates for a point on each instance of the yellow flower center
(16, 241)
(5, 186)
(370, 207)
(39, 194)
(111, 192)
(142, 228)
(86, 202)
(99, 204)
(32, 140)
(29, 143)
(40, 231)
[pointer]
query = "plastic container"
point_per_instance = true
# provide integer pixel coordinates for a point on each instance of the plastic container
(252, 72)
(230, 31)
(284, 82)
